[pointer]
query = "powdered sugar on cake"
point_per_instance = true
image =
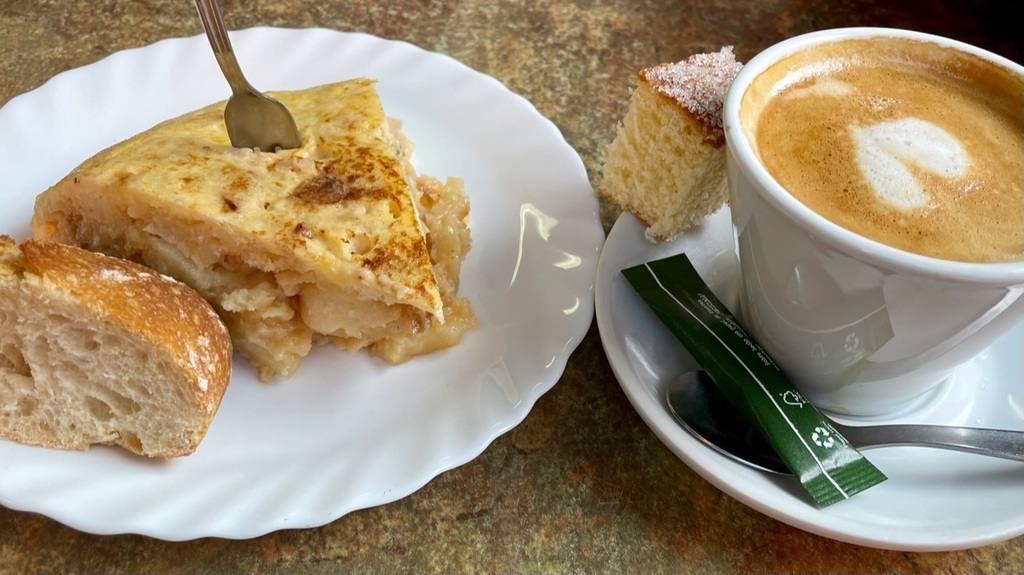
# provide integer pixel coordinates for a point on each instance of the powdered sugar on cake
(698, 84)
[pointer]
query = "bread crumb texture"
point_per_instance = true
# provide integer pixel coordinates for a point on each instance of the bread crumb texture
(99, 350)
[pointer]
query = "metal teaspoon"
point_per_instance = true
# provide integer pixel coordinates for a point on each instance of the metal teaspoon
(700, 408)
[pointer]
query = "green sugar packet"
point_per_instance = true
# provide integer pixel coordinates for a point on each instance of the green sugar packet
(829, 468)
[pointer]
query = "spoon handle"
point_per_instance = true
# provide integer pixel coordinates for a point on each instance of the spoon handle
(1001, 443)
(213, 23)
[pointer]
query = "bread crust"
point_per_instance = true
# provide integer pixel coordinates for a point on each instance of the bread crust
(168, 319)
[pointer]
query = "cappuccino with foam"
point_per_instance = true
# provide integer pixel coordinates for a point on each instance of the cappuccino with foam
(905, 142)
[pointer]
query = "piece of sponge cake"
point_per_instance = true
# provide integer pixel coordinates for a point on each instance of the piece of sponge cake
(329, 242)
(666, 164)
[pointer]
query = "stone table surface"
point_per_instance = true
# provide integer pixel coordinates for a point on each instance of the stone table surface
(582, 485)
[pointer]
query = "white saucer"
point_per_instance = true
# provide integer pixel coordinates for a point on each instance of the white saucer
(934, 500)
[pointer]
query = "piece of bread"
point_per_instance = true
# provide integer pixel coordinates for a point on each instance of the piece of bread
(666, 164)
(97, 350)
(335, 241)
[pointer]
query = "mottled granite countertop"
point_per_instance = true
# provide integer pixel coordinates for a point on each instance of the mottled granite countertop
(582, 485)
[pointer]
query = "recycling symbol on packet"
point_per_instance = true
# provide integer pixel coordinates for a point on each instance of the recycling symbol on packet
(823, 438)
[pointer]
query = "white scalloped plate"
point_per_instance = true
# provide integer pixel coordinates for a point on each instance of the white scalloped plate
(934, 500)
(346, 432)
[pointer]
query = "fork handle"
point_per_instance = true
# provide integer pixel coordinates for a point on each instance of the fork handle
(213, 23)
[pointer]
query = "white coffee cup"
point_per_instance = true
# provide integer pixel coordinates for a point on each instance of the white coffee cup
(860, 327)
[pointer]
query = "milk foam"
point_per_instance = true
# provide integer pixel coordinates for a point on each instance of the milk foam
(886, 152)
(907, 143)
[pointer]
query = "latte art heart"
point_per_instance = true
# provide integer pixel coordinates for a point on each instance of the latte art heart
(888, 152)
(904, 142)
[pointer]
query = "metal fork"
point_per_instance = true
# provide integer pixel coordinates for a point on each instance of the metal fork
(253, 119)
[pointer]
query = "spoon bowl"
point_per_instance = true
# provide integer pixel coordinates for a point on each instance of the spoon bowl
(700, 408)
